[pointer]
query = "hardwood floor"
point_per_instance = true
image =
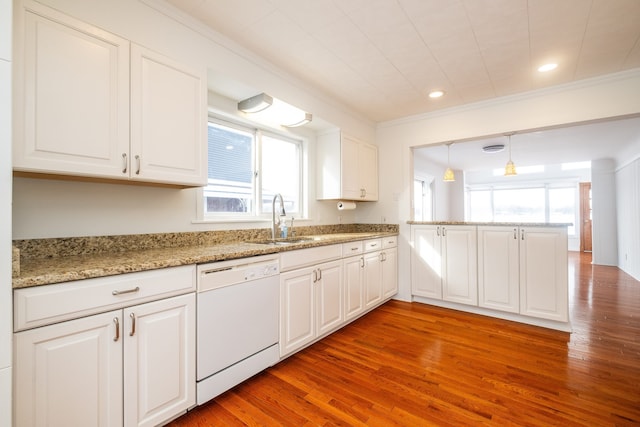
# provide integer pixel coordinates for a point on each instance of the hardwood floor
(417, 365)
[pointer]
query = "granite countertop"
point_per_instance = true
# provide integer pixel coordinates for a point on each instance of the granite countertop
(508, 224)
(36, 271)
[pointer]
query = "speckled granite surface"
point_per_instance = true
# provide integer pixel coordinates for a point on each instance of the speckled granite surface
(47, 261)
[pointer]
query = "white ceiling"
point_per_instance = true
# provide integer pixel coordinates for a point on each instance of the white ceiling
(614, 139)
(382, 57)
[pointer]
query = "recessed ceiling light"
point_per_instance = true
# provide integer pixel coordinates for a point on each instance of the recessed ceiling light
(547, 67)
(436, 94)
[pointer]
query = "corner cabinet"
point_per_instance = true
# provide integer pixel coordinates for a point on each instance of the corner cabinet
(92, 104)
(347, 168)
(132, 365)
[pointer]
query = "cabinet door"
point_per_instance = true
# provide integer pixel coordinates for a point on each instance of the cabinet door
(297, 313)
(349, 168)
(353, 283)
(460, 273)
(389, 272)
(168, 120)
(543, 273)
(159, 354)
(70, 373)
(76, 98)
(372, 279)
(329, 294)
(426, 262)
(368, 171)
(498, 268)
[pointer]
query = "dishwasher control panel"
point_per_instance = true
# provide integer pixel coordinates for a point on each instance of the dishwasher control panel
(225, 273)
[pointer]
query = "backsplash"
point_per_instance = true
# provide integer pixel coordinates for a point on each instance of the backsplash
(71, 246)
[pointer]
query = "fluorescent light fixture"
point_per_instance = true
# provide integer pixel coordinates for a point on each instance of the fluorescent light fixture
(547, 67)
(274, 111)
(255, 104)
(436, 93)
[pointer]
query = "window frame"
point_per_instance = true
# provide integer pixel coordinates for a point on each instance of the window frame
(257, 214)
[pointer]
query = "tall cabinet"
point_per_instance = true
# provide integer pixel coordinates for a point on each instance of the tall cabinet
(93, 104)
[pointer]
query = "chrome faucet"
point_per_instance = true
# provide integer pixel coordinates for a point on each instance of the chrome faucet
(273, 213)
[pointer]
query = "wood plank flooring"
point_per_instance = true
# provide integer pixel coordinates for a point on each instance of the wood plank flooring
(416, 365)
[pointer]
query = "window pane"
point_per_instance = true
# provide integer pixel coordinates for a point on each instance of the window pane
(519, 205)
(562, 207)
(480, 206)
(230, 186)
(280, 173)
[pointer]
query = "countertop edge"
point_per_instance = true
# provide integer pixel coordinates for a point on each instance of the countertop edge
(48, 271)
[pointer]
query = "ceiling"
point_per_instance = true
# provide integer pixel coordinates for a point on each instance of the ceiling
(615, 139)
(382, 57)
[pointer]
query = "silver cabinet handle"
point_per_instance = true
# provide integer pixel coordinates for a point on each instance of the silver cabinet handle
(124, 163)
(133, 324)
(522, 234)
(444, 231)
(381, 256)
(128, 291)
(137, 164)
(515, 237)
(315, 276)
(438, 231)
(117, 323)
(355, 249)
(362, 262)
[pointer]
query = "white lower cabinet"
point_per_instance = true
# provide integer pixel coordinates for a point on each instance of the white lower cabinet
(520, 269)
(131, 365)
(543, 273)
(444, 263)
(311, 304)
(498, 268)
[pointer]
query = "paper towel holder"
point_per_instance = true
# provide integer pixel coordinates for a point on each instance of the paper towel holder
(346, 205)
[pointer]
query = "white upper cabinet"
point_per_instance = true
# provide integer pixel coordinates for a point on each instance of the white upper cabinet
(347, 168)
(92, 104)
(75, 94)
(168, 120)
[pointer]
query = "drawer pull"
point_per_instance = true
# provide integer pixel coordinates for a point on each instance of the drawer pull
(128, 291)
(354, 249)
(133, 324)
(117, 323)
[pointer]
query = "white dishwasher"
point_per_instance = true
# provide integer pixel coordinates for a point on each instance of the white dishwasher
(237, 322)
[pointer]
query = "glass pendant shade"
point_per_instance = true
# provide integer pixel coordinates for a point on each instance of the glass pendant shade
(510, 169)
(449, 175)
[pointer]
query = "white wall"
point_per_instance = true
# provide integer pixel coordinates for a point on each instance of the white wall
(448, 200)
(603, 212)
(45, 208)
(628, 217)
(613, 96)
(6, 316)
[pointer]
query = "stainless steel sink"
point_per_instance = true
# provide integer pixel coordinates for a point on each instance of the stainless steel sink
(282, 242)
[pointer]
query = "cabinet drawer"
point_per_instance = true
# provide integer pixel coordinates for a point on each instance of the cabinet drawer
(372, 245)
(305, 257)
(47, 304)
(352, 248)
(389, 242)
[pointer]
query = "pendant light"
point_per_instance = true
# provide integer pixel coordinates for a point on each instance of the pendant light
(510, 168)
(448, 174)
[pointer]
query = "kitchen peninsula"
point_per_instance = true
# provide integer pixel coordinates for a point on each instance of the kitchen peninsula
(514, 271)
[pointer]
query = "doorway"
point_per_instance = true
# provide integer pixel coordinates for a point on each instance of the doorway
(585, 216)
